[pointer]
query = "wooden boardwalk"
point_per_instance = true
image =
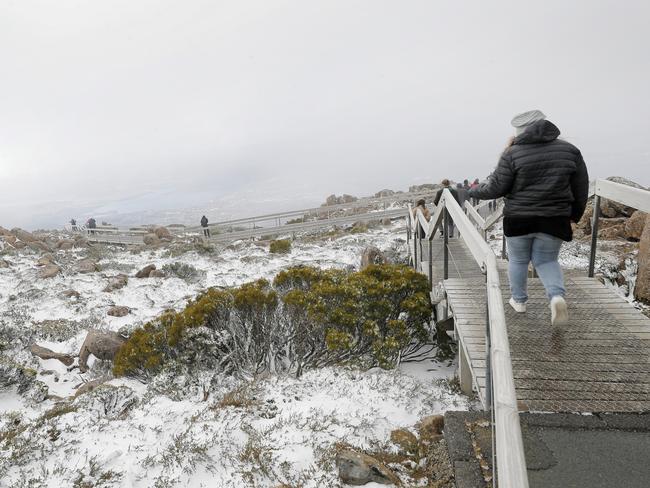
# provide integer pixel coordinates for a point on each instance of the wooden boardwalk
(599, 362)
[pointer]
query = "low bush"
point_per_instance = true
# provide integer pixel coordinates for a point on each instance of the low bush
(308, 317)
(183, 271)
(282, 246)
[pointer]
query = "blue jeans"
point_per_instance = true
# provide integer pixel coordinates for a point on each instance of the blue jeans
(543, 250)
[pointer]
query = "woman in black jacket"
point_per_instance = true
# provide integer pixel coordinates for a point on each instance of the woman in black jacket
(545, 184)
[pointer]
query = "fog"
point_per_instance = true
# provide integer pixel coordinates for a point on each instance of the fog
(135, 106)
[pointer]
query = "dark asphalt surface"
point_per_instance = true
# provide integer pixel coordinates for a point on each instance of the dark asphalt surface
(562, 450)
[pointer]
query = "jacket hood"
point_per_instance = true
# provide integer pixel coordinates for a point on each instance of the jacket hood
(540, 131)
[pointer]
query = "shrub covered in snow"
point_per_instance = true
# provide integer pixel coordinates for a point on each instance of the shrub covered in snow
(307, 317)
(183, 271)
(282, 246)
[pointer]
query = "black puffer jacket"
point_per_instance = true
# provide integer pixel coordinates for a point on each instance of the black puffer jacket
(539, 176)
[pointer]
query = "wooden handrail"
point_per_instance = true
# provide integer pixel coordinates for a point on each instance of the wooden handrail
(511, 461)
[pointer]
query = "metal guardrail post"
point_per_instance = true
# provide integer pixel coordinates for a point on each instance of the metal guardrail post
(430, 263)
(445, 233)
(504, 254)
(594, 236)
(415, 245)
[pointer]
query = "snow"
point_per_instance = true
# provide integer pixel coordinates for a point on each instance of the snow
(132, 434)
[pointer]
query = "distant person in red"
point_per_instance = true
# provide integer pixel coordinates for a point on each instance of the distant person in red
(204, 224)
(474, 186)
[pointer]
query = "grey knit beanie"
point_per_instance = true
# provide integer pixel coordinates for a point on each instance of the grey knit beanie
(521, 121)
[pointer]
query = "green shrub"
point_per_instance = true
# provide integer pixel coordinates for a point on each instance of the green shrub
(308, 317)
(282, 246)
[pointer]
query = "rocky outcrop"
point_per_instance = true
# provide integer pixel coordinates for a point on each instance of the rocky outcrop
(23, 235)
(384, 193)
(116, 282)
(356, 468)
(334, 200)
(4, 264)
(65, 244)
(424, 187)
(157, 273)
(101, 344)
(119, 311)
(162, 233)
(372, 255)
(45, 260)
(642, 288)
(151, 239)
(45, 353)
(634, 225)
(71, 294)
(50, 271)
(146, 271)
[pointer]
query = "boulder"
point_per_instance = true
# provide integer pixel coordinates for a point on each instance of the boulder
(65, 244)
(424, 187)
(38, 246)
(642, 287)
(101, 344)
(50, 271)
(372, 255)
(45, 353)
(635, 224)
(612, 232)
(4, 264)
(118, 311)
(151, 239)
(45, 260)
(157, 273)
(10, 240)
(87, 265)
(23, 235)
(89, 386)
(71, 294)
(5, 232)
(20, 245)
(384, 193)
(146, 271)
(386, 221)
(356, 468)
(162, 233)
(116, 282)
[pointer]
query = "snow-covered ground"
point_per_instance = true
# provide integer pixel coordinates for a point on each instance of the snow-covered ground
(214, 431)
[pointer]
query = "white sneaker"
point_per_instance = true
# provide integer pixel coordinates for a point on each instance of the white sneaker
(519, 307)
(559, 313)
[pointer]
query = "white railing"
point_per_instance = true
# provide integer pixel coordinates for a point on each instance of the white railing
(510, 459)
(617, 192)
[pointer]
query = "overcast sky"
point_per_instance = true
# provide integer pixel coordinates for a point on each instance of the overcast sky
(143, 104)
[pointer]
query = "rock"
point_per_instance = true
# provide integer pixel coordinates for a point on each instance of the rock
(20, 245)
(386, 221)
(405, 440)
(45, 353)
(101, 344)
(372, 255)
(421, 188)
(71, 294)
(334, 200)
(356, 468)
(65, 244)
(89, 386)
(23, 235)
(5, 232)
(151, 239)
(4, 264)
(430, 428)
(45, 260)
(157, 273)
(118, 311)
(87, 265)
(11, 240)
(50, 271)
(162, 233)
(117, 282)
(635, 224)
(642, 287)
(384, 193)
(38, 246)
(612, 232)
(615, 209)
(146, 271)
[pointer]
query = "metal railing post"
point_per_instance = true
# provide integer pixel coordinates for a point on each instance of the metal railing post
(430, 262)
(594, 236)
(415, 245)
(504, 255)
(445, 233)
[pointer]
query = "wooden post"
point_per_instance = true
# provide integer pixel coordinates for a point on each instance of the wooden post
(594, 236)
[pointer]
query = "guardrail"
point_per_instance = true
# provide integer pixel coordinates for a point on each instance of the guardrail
(510, 460)
(623, 194)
